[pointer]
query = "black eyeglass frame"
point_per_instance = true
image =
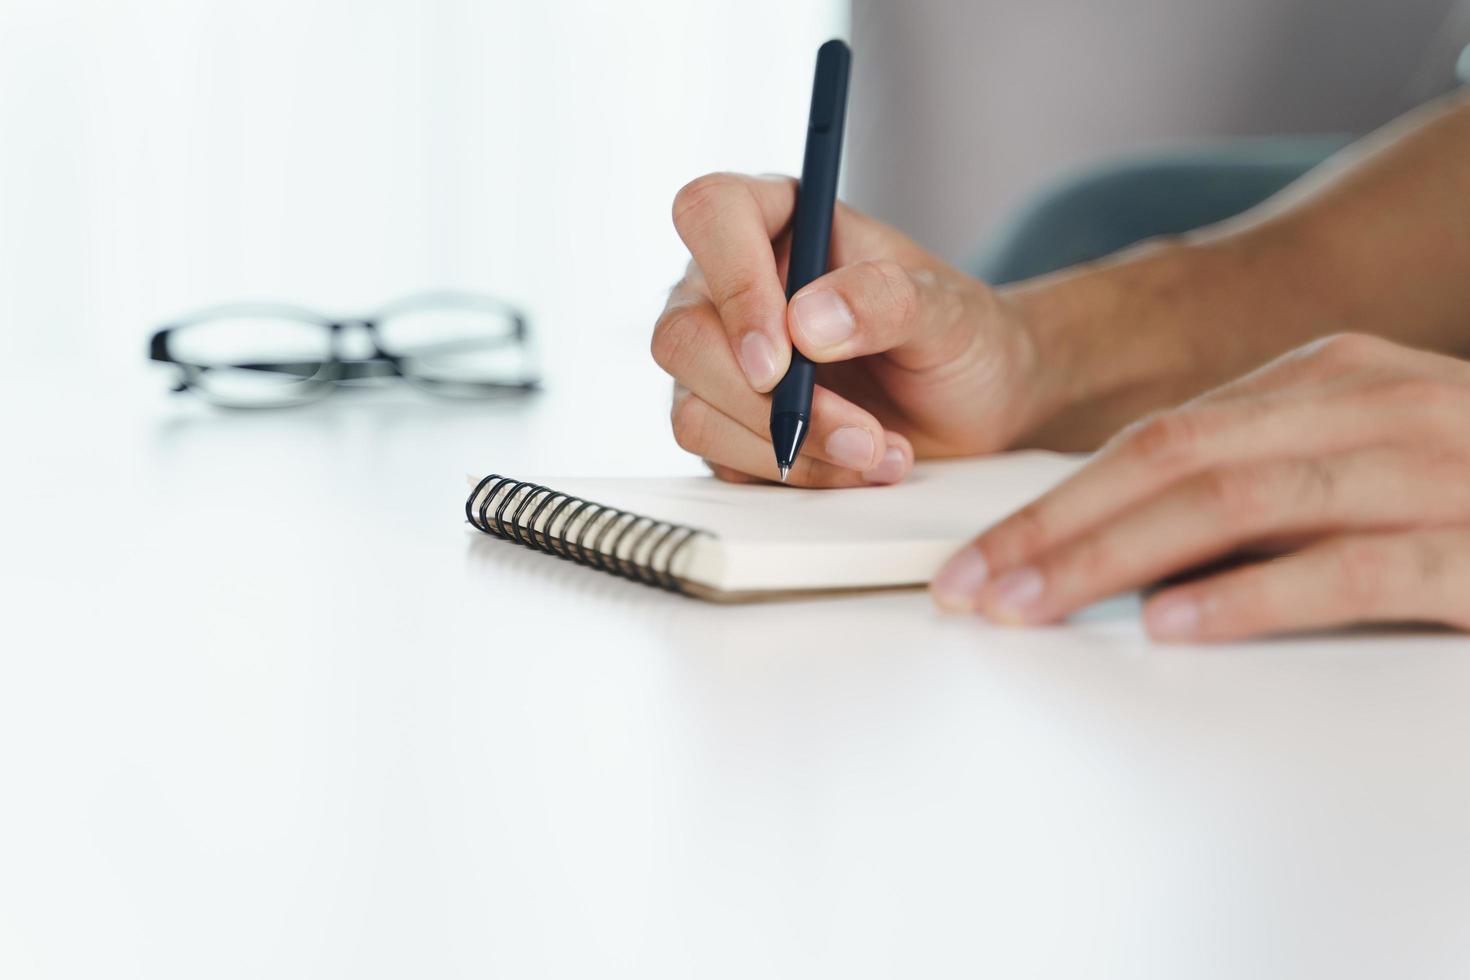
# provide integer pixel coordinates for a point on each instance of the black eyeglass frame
(326, 375)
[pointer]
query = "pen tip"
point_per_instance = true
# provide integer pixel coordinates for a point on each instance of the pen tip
(784, 471)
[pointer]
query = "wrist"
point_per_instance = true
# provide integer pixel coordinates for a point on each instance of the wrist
(1115, 339)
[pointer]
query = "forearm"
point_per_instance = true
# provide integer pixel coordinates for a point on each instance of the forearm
(1377, 240)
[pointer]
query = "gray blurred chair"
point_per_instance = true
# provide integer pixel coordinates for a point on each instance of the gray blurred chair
(1110, 207)
(1119, 204)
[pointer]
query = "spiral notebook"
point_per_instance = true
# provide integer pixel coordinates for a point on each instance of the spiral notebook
(733, 542)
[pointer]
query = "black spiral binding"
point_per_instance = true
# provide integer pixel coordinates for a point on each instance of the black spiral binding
(597, 542)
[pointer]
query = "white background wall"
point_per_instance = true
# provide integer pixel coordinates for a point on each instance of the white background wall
(159, 155)
(162, 155)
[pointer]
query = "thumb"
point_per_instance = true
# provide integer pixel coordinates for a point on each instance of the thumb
(879, 307)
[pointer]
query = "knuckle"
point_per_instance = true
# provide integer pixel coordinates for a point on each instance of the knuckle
(689, 418)
(1317, 483)
(1348, 349)
(675, 332)
(1364, 569)
(701, 197)
(1239, 496)
(704, 199)
(1088, 562)
(1431, 564)
(740, 296)
(1167, 441)
(1024, 533)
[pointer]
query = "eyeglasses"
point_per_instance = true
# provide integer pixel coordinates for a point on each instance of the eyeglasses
(263, 355)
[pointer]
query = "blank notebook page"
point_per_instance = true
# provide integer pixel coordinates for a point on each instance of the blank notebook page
(764, 539)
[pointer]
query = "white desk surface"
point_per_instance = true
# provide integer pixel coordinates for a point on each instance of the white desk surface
(269, 709)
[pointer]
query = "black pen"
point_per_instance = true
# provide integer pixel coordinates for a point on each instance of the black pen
(811, 237)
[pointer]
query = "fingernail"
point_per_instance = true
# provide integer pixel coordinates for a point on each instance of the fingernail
(822, 318)
(889, 469)
(850, 446)
(1172, 617)
(758, 360)
(1006, 601)
(955, 586)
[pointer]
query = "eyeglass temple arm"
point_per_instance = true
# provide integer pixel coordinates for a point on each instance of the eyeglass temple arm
(378, 367)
